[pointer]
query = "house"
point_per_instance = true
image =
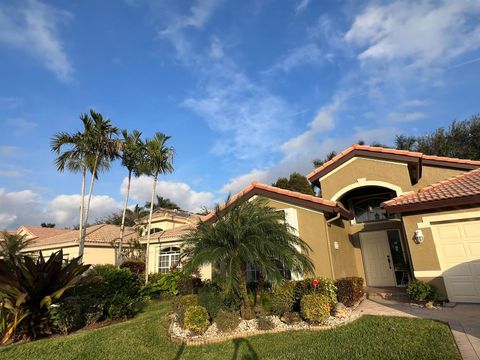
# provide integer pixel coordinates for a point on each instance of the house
(385, 215)
(100, 243)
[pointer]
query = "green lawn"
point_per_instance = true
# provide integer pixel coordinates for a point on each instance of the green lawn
(144, 337)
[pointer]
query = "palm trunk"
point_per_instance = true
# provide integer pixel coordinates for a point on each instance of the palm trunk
(87, 209)
(122, 226)
(245, 309)
(149, 227)
(82, 203)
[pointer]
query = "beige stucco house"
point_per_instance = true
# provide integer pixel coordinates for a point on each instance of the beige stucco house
(385, 215)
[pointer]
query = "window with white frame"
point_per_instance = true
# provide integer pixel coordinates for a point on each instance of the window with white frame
(168, 258)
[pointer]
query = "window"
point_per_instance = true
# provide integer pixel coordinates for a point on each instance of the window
(252, 272)
(155, 230)
(168, 258)
(368, 208)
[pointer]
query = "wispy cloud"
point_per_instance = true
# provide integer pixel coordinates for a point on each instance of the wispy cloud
(33, 27)
(308, 54)
(301, 6)
(406, 116)
(8, 151)
(9, 101)
(20, 126)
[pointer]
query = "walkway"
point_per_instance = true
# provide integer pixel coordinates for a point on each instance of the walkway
(464, 321)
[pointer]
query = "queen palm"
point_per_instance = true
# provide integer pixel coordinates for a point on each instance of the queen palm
(249, 233)
(131, 156)
(103, 148)
(158, 160)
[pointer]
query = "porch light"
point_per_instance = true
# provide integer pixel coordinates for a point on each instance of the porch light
(418, 237)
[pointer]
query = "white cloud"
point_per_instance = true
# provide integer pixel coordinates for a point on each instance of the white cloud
(420, 33)
(8, 151)
(308, 54)
(216, 48)
(415, 103)
(11, 172)
(301, 6)
(18, 206)
(20, 125)
(178, 24)
(407, 116)
(236, 184)
(250, 120)
(33, 27)
(180, 193)
(9, 101)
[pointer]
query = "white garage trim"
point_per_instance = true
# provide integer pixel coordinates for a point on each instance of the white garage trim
(428, 273)
(428, 220)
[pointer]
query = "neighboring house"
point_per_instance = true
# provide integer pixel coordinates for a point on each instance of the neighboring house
(101, 242)
(385, 215)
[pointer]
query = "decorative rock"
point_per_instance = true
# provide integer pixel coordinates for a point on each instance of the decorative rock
(340, 311)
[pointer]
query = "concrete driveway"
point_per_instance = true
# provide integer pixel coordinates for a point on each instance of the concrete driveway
(463, 319)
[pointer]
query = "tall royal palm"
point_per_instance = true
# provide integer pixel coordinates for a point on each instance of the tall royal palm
(132, 150)
(77, 158)
(158, 160)
(250, 232)
(103, 148)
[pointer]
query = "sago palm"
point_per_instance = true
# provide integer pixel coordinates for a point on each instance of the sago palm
(158, 160)
(132, 151)
(250, 232)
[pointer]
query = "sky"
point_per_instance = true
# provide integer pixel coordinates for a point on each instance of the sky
(248, 90)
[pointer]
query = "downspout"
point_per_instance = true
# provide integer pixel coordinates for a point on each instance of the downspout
(330, 256)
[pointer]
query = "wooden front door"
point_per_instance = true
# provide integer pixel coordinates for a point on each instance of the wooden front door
(377, 259)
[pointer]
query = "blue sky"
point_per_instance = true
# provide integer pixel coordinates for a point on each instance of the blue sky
(248, 90)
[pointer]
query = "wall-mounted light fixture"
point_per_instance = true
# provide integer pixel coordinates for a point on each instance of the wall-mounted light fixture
(418, 237)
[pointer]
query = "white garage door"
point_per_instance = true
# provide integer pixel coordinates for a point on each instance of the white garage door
(458, 249)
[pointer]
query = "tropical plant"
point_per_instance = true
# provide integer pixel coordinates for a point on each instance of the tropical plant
(27, 289)
(250, 232)
(103, 148)
(132, 152)
(12, 245)
(158, 160)
(163, 203)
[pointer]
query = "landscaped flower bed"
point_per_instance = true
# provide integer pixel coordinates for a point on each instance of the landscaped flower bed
(294, 305)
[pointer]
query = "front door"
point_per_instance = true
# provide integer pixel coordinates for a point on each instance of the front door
(377, 259)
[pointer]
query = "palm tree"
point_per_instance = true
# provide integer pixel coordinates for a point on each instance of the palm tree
(76, 159)
(158, 160)
(249, 233)
(163, 203)
(103, 149)
(12, 245)
(132, 153)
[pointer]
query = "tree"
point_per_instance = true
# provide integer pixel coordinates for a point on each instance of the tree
(319, 162)
(405, 142)
(248, 233)
(163, 203)
(158, 160)
(77, 158)
(103, 149)
(131, 217)
(296, 182)
(47, 225)
(132, 151)
(12, 245)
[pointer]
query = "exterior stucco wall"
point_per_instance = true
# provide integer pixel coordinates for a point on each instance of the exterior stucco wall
(94, 255)
(424, 256)
(433, 174)
(347, 258)
(312, 230)
(360, 168)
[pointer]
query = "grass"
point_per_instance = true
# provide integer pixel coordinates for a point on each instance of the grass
(144, 337)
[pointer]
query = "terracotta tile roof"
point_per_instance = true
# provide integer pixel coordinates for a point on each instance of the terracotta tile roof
(365, 150)
(257, 188)
(99, 234)
(43, 232)
(170, 234)
(461, 189)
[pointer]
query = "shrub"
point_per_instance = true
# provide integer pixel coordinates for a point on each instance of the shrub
(188, 285)
(135, 266)
(325, 287)
(123, 307)
(315, 308)
(210, 300)
(349, 290)
(66, 316)
(196, 319)
(227, 320)
(266, 300)
(181, 303)
(28, 287)
(154, 277)
(283, 297)
(265, 323)
(420, 291)
(290, 318)
(165, 284)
